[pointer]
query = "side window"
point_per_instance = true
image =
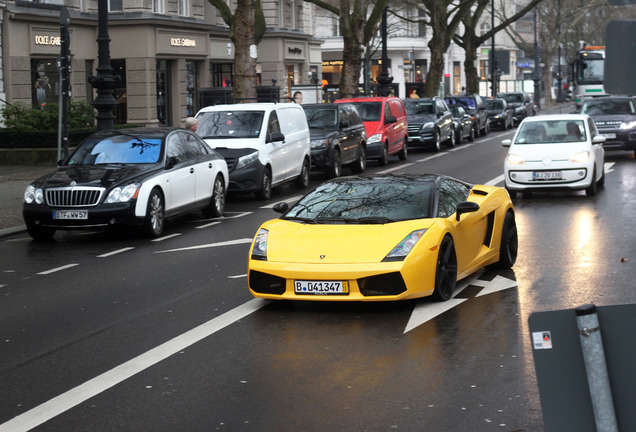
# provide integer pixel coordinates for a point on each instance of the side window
(175, 148)
(451, 193)
(387, 109)
(592, 126)
(272, 125)
(354, 116)
(192, 144)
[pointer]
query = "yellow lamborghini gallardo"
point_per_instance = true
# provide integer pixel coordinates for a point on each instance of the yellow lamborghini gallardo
(382, 237)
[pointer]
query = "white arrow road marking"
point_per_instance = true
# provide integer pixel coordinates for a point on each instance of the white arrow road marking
(609, 167)
(425, 311)
(210, 245)
(495, 181)
(56, 406)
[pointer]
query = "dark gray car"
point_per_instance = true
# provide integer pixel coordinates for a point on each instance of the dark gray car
(474, 105)
(338, 138)
(615, 118)
(522, 104)
(430, 123)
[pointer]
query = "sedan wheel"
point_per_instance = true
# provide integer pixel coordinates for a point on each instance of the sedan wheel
(509, 242)
(451, 141)
(153, 224)
(592, 189)
(217, 201)
(446, 271)
(361, 164)
(471, 137)
(335, 170)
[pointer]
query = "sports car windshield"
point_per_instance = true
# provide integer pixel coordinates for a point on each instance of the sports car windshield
(365, 200)
(369, 111)
(118, 149)
(230, 124)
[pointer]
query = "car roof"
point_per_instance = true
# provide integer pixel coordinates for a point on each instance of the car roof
(367, 99)
(549, 117)
(257, 106)
(138, 131)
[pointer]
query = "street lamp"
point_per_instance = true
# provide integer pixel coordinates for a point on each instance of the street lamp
(384, 89)
(104, 82)
(493, 60)
(535, 74)
(559, 76)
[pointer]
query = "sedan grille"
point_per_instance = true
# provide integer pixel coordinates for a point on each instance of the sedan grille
(414, 128)
(608, 124)
(77, 196)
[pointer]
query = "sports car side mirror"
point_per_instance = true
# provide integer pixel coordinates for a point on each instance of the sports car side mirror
(466, 207)
(281, 207)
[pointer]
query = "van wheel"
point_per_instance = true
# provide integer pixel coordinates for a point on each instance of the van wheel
(266, 185)
(404, 153)
(384, 160)
(302, 181)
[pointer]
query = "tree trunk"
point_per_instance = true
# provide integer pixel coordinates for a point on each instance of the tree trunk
(470, 70)
(436, 68)
(243, 33)
(351, 67)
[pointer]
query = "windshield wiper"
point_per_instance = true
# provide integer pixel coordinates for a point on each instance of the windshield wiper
(300, 219)
(373, 220)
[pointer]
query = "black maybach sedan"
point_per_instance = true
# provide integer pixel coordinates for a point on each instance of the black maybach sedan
(137, 176)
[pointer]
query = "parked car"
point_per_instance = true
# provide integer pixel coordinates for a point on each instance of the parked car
(128, 177)
(385, 122)
(382, 237)
(338, 138)
(499, 113)
(615, 118)
(463, 124)
(430, 123)
(555, 152)
(264, 144)
(474, 105)
(522, 104)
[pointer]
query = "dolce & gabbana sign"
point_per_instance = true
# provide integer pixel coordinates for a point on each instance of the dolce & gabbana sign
(181, 43)
(47, 40)
(44, 40)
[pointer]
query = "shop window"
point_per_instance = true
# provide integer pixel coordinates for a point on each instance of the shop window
(115, 5)
(163, 92)
(222, 74)
(192, 79)
(45, 80)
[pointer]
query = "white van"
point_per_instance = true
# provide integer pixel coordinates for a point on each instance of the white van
(264, 144)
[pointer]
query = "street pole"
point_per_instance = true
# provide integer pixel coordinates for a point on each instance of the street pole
(64, 67)
(559, 76)
(536, 77)
(384, 89)
(493, 61)
(104, 82)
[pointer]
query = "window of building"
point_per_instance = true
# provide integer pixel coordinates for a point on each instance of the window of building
(222, 74)
(45, 80)
(192, 79)
(115, 5)
(158, 6)
(421, 25)
(184, 8)
(287, 13)
(335, 27)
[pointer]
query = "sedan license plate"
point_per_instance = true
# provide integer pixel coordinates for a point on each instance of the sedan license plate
(609, 135)
(321, 287)
(546, 175)
(70, 214)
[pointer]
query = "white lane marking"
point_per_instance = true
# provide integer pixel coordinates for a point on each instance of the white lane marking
(238, 215)
(207, 225)
(57, 269)
(495, 181)
(166, 237)
(210, 245)
(56, 406)
(237, 276)
(115, 252)
(389, 170)
(435, 156)
(463, 146)
(609, 167)
(288, 201)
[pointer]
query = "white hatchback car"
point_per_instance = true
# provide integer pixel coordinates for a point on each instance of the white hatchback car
(555, 152)
(264, 144)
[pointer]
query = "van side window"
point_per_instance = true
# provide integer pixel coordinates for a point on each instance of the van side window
(387, 109)
(272, 125)
(291, 120)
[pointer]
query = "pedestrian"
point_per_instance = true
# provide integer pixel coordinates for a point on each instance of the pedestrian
(298, 97)
(191, 124)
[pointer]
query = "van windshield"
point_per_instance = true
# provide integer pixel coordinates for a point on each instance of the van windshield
(230, 124)
(369, 111)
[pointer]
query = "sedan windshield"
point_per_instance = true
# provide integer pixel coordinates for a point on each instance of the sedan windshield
(230, 124)
(605, 106)
(419, 107)
(118, 149)
(551, 131)
(322, 117)
(365, 200)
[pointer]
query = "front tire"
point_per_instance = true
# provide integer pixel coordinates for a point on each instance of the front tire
(404, 153)
(471, 137)
(155, 212)
(384, 160)
(335, 170)
(438, 142)
(265, 191)
(446, 271)
(361, 164)
(217, 201)
(509, 245)
(451, 142)
(592, 189)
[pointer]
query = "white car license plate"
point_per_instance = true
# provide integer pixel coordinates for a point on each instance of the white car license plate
(321, 287)
(546, 175)
(70, 214)
(609, 135)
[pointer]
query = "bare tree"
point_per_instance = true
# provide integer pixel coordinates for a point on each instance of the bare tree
(247, 27)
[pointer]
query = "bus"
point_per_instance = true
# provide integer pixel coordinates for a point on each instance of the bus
(587, 74)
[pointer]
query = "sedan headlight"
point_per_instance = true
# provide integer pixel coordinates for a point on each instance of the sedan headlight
(519, 110)
(374, 138)
(33, 195)
(246, 160)
(320, 144)
(515, 159)
(580, 157)
(429, 125)
(628, 125)
(404, 247)
(123, 194)
(259, 252)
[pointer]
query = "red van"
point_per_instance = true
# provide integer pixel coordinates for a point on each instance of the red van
(385, 122)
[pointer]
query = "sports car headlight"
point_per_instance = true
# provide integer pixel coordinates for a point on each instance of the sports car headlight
(244, 161)
(123, 194)
(515, 159)
(580, 157)
(259, 252)
(320, 144)
(374, 138)
(429, 125)
(628, 125)
(33, 194)
(404, 247)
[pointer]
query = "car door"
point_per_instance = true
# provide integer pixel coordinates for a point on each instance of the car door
(180, 187)
(599, 151)
(395, 131)
(348, 140)
(445, 119)
(293, 124)
(276, 150)
(201, 164)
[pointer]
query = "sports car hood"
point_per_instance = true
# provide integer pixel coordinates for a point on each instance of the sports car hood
(294, 242)
(105, 176)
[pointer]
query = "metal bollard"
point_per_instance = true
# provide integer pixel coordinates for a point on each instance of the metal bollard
(596, 368)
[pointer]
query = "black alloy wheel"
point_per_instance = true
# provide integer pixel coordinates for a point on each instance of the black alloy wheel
(265, 191)
(509, 245)
(446, 271)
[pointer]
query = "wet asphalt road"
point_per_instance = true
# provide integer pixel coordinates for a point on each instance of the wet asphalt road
(288, 366)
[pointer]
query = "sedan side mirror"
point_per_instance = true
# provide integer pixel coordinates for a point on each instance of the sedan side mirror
(466, 207)
(506, 142)
(171, 162)
(598, 139)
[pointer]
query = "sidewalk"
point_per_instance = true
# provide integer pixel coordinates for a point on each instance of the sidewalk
(15, 178)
